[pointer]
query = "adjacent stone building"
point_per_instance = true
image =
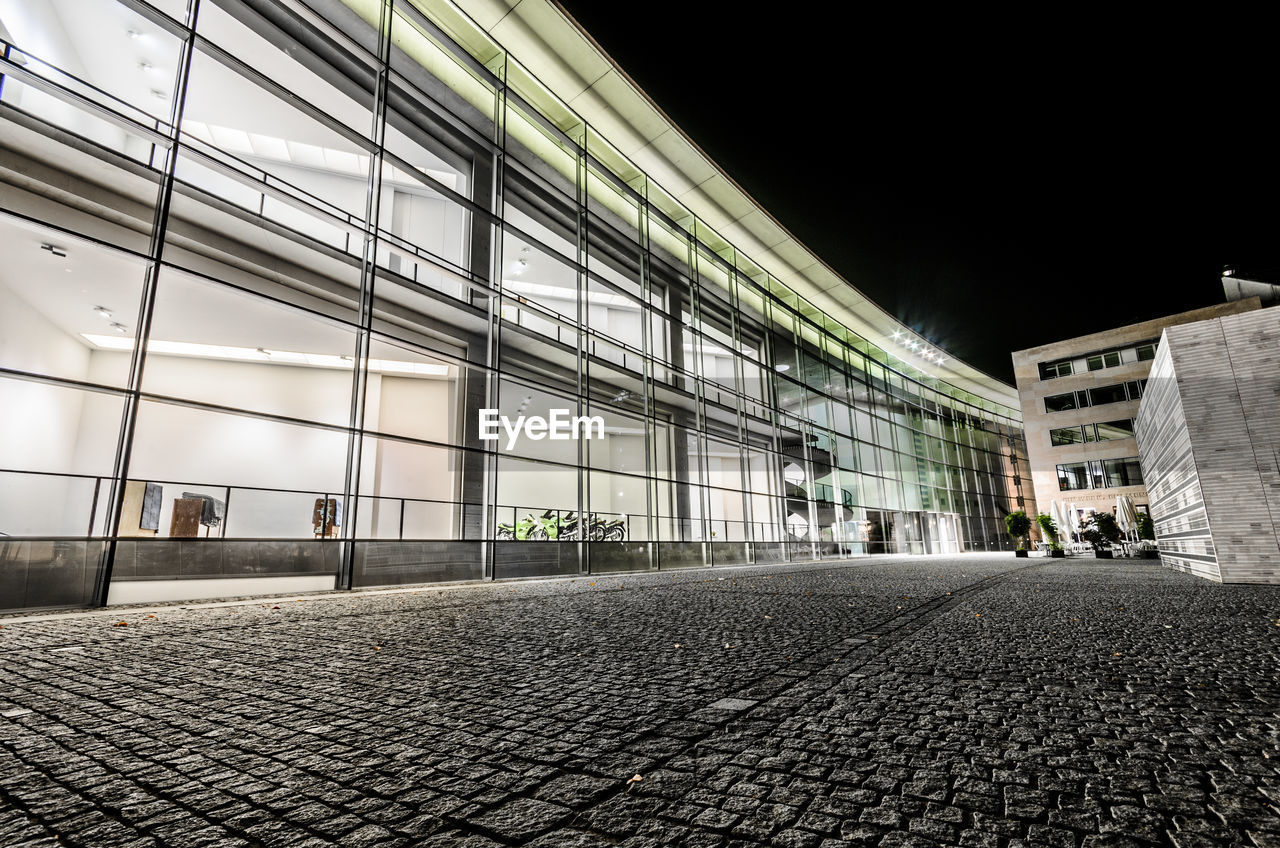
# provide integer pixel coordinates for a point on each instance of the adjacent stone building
(1079, 398)
(1208, 430)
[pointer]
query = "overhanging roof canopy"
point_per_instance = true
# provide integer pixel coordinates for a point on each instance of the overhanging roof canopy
(572, 67)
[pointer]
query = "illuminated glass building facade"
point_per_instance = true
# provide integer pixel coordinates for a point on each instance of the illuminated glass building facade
(265, 261)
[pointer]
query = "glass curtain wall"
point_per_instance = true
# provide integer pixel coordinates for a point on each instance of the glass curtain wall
(269, 260)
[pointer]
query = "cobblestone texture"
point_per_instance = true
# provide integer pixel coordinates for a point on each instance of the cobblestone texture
(974, 701)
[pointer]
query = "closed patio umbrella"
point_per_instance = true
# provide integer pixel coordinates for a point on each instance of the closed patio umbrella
(1126, 516)
(1058, 513)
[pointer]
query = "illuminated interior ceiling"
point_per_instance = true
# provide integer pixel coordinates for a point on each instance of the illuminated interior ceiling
(574, 70)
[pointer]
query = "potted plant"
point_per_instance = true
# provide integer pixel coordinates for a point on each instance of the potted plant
(1049, 528)
(1101, 531)
(1019, 526)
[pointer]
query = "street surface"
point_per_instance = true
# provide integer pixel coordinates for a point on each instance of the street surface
(972, 700)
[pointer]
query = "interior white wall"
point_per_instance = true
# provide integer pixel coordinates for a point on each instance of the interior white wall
(159, 591)
(312, 394)
(432, 223)
(421, 409)
(174, 443)
(535, 487)
(39, 427)
(30, 342)
(428, 221)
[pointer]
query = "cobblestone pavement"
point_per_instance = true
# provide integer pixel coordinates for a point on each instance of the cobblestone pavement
(982, 701)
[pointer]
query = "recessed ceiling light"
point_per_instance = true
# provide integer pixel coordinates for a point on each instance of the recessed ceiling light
(146, 67)
(119, 328)
(133, 33)
(159, 95)
(54, 249)
(103, 311)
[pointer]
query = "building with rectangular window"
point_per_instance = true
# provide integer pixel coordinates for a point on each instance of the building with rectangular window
(1079, 398)
(269, 261)
(1209, 434)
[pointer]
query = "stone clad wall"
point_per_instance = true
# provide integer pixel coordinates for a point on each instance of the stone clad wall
(1239, 472)
(1168, 467)
(1209, 433)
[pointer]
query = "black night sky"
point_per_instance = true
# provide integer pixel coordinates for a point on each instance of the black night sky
(1004, 182)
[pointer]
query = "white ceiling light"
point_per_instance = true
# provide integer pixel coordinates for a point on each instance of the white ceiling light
(103, 311)
(250, 354)
(118, 327)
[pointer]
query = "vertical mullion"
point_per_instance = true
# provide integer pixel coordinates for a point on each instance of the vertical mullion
(584, 377)
(368, 276)
(493, 323)
(740, 401)
(650, 419)
(700, 396)
(146, 311)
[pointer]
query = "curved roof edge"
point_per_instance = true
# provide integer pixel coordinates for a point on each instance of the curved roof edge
(567, 60)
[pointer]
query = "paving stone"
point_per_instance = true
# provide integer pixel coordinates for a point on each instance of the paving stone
(973, 700)
(522, 818)
(576, 790)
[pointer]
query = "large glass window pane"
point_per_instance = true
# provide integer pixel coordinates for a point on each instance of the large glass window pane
(448, 75)
(138, 68)
(518, 401)
(528, 489)
(1107, 394)
(54, 456)
(311, 170)
(1122, 472)
(129, 66)
(532, 273)
(295, 57)
(408, 491)
(1073, 476)
(66, 306)
(1066, 436)
(1115, 429)
(216, 344)
(618, 498)
(1060, 403)
(412, 393)
(215, 454)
